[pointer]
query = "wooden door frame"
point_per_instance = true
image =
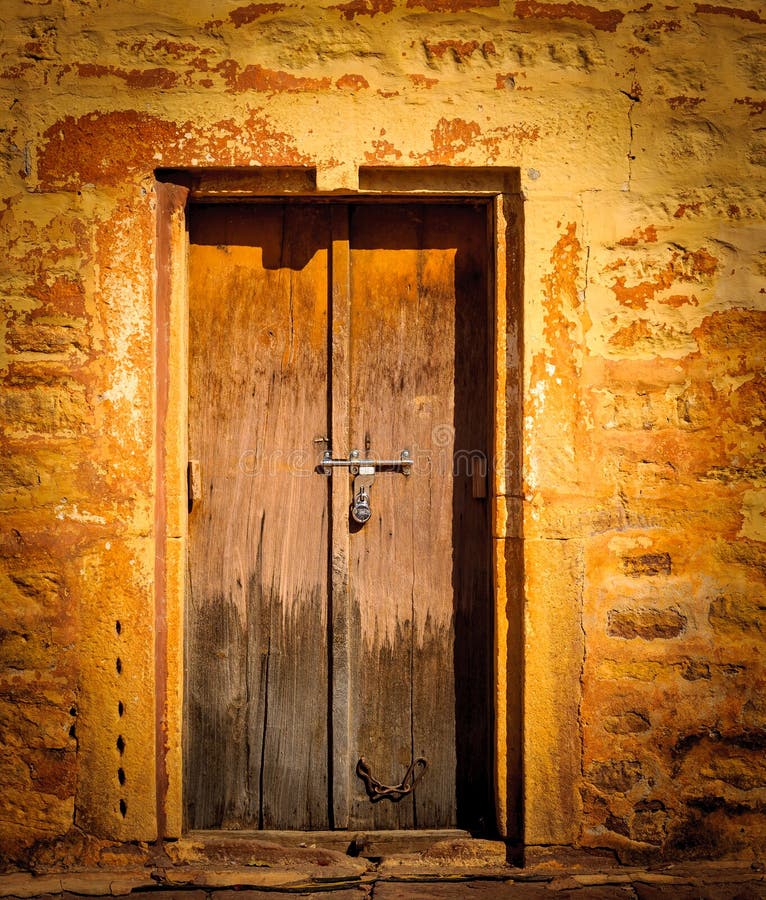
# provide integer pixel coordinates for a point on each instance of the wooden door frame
(499, 188)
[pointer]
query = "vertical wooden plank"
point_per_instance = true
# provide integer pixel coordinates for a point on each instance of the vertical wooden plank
(473, 601)
(176, 452)
(502, 333)
(434, 688)
(257, 618)
(419, 569)
(293, 567)
(401, 560)
(451, 671)
(171, 202)
(340, 761)
(506, 238)
(383, 290)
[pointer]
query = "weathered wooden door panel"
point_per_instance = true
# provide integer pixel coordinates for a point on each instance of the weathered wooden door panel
(419, 374)
(294, 676)
(256, 749)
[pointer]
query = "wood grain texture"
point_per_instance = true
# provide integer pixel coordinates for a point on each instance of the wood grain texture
(257, 617)
(314, 641)
(471, 529)
(419, 569)
(340, 666)
(384, 290)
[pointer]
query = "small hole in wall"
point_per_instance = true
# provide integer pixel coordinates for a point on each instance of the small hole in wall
(120, 738)
(72, 731)
(73, 711)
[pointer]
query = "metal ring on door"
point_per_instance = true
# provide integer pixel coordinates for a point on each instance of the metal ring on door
(377, 791)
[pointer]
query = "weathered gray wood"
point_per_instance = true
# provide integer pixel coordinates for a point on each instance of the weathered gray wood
(294, 777)
(420, 568)
(412, 267)
(257, 618)
(471, 579)
(433, 678)
(340, 305)
(364, 843)
(382, 564)
(276, 564)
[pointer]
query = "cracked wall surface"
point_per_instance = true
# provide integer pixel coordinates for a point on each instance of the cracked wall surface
(639, 130)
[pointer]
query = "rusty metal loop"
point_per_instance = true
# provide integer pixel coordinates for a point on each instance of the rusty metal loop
(377, 791)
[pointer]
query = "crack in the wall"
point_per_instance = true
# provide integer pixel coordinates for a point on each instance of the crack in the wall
(634, 98)
(586, 246)
(587, 264)
(581, 580)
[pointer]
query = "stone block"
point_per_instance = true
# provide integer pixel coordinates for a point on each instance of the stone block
(238, 877)
(466, 853)
(721, 891)
(37, 409)
(19, 477)
(733, 758)
(187, 894)
(737, 612)
(647, 564)
(630, 722)
(614, 775)
(115, 725)
(694, 669)
(37, 337)
(750, 61)
(25, 885)
(649, 822)
(345, 893)
(551, 689)
(646, 623)
(88, 884)
(36, 722)
(21, 649)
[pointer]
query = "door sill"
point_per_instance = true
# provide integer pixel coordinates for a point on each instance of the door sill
(367, 844)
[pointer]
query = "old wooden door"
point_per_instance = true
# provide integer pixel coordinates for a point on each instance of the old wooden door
(312, 641)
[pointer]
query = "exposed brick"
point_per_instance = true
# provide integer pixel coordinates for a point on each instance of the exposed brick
(605, 20)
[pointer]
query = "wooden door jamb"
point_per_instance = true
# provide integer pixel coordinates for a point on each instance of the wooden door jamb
(500, 187)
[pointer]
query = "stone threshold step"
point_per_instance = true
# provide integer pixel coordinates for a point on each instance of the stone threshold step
(369, 844)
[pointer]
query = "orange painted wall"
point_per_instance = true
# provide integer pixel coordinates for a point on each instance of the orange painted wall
(638, 132)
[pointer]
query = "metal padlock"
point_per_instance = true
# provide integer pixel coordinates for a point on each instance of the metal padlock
(360, 508)
(360, 505)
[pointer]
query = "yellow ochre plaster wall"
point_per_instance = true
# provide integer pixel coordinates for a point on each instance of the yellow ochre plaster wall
(638, 510)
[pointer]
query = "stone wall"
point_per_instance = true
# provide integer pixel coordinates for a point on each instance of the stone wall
(638, 132)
